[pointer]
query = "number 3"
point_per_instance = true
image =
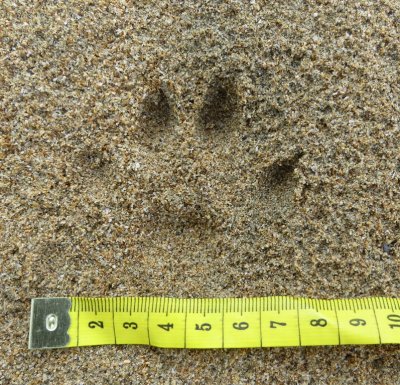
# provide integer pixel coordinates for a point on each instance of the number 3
(132, 325)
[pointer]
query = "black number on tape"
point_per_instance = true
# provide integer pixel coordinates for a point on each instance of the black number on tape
(240, 325)
(206, 327)
(394, 318)
(273, 323)
(130, 325)
(357, 322)
(95, 324)
(166, 327)
(319, 322)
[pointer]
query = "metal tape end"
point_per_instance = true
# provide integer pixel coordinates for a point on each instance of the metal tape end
(49, 323)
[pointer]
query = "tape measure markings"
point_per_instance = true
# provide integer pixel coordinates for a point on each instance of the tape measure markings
(213, 323)
(377, 325)
(298, 324)
(337, 322)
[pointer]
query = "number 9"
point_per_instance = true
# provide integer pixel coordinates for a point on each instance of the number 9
(357, 322)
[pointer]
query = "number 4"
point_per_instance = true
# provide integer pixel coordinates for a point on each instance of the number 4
(273, 323)
(166, 327)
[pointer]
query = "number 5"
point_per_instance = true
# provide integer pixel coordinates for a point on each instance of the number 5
(205, 327)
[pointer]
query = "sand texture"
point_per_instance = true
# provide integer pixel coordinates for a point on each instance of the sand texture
(198, 149)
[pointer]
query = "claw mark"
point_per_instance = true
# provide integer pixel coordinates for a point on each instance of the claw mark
(220, 106)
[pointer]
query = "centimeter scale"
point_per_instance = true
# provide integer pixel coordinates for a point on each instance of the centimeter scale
(213, 323)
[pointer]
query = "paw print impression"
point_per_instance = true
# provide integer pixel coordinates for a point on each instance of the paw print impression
(185, 192)
(277, 183)
(157, 114)
(93, 163)
(220, 107)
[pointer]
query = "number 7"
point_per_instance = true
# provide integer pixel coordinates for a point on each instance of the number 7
(273, 323)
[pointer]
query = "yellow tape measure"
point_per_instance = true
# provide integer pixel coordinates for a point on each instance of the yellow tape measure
(213, 323)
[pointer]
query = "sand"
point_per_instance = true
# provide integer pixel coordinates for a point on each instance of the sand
(198, 149)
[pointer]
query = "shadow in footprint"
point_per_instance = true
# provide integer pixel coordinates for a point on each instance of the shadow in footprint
(181, 207)
(92, 162)
(157, 114)
(221, 103)
(281, 172)
(278, 182)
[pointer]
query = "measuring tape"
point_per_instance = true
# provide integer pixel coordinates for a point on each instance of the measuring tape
(213, 323)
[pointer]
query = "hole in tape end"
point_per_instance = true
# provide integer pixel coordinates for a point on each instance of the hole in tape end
(51, 322)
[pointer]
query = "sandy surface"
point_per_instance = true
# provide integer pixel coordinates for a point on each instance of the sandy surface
(198, 149)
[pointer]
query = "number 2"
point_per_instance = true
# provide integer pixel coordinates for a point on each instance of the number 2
(94, 324)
